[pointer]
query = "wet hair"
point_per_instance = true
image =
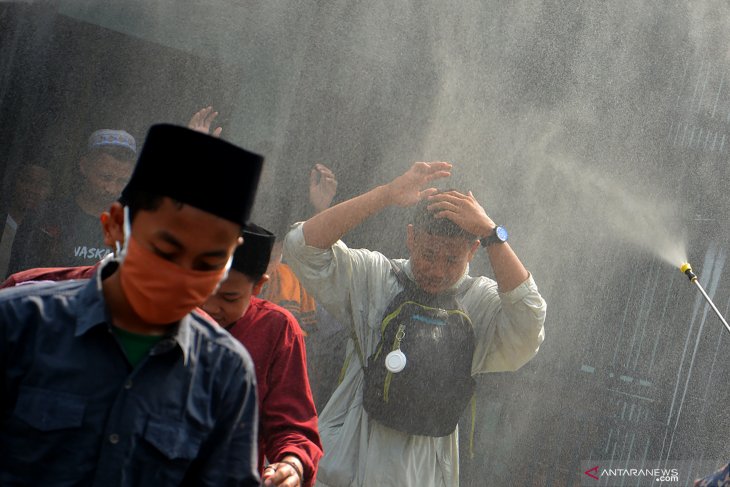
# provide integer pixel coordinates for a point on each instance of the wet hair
(424, 220)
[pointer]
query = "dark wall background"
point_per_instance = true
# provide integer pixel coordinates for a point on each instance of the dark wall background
(596, 132)
(64, 78)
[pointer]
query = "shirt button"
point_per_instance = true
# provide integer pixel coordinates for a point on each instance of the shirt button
(114, 438)
(128, 384)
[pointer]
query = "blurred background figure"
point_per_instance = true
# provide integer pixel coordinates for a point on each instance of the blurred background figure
(65, 233)
(103, 170)
(19, 214)
(325, 336)
(283, 287)
(721, 478)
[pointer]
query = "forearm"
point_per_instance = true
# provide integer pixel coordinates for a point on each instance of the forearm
(306, 453)
(508, 270)
(327, 227)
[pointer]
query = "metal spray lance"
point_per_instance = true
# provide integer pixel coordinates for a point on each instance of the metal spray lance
(687, 270)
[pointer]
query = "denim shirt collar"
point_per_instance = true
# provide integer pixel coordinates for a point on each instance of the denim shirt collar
(92, 311)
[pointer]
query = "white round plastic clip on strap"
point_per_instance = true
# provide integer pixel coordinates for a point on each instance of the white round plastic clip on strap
(395, 361)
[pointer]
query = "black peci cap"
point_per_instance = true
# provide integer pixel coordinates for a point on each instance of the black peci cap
(197, 169)
(252, 258)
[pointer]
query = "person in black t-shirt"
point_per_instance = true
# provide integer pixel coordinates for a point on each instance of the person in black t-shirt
(104, 168)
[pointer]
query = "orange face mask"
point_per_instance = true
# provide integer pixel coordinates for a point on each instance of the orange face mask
(159, 291)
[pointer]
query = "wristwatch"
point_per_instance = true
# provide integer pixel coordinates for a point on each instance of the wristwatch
(498, 236)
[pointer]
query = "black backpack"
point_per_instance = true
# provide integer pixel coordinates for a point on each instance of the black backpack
(428, 396)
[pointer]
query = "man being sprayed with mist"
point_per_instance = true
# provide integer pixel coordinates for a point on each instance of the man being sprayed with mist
(366, 441)
(116, 380)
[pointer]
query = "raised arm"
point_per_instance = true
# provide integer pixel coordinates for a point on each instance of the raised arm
(327, 227)
(322, 187)
(288, 415)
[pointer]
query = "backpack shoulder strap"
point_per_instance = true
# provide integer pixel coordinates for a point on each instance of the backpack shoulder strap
(404, 281)
(358, 350)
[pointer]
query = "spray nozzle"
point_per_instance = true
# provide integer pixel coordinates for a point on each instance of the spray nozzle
(687, 270)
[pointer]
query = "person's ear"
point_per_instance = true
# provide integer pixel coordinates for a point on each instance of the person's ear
(112, 224)
(473, 250)
(260, 284)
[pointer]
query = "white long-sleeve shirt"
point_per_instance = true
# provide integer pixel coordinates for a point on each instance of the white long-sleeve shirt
(356, 286)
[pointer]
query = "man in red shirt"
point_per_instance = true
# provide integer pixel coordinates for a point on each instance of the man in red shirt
(288, 435)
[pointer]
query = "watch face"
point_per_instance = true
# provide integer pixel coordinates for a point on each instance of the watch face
(501, 233)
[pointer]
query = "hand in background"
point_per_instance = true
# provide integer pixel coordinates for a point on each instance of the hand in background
(322, 187)
(202, 121)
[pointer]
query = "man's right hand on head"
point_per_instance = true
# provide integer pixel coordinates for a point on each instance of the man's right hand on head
(409, 188)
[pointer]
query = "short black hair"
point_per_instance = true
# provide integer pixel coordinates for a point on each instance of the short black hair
(424, 219)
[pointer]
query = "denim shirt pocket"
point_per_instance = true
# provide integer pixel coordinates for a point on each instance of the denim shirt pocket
(174, 439)
(47, 410)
